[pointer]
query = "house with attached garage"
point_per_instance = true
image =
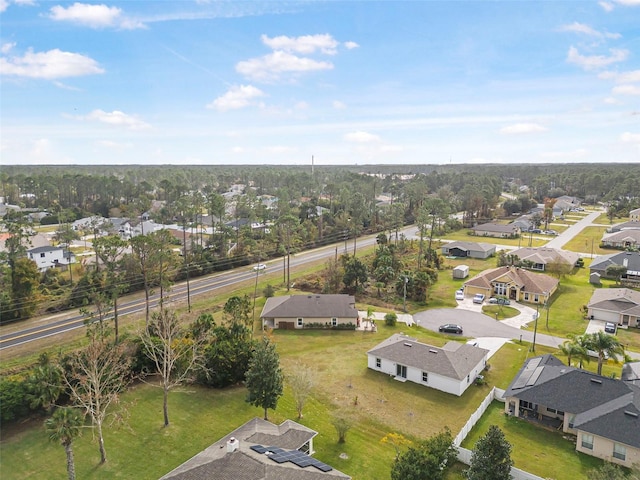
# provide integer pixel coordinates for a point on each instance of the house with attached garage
(450, 369)
(259, 450)
(310, 311)
(468, 249)
(496, 230)
(618, 305)
(623, 239)
(601, 412)
(514, 283)
(537, 258)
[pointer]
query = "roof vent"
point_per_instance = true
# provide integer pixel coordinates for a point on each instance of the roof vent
(407, 344)
(433, 351)
(596, 380)
(631, 414)
(232, 444)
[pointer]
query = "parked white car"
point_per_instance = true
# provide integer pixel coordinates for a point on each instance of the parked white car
(260, 266)
(478, 298)
(460, 294)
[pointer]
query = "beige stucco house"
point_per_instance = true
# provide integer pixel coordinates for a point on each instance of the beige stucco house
(310, 311)
(602, 413)
(514, 283)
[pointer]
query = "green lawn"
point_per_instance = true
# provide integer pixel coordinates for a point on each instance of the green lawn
(462, 235)
(545, 453)
(588, 241)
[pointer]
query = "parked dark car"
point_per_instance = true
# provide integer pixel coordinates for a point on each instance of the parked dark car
(500, 301)
(450, 328)
(610, 327)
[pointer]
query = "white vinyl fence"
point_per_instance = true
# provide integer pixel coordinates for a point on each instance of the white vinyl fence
(464, 454)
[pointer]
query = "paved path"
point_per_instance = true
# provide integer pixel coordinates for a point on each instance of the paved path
(573, 230)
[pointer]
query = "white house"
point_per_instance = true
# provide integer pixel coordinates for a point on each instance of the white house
(450, 369)
(47, 257)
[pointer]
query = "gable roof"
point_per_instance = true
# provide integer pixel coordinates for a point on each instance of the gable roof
(544, 255)
(531, 282)
(246, 463)
(599, 403)
(310, 306)
(44, 249)
(600, 263)
(485, 247)
(622, 300)
(495, 227)
(627, 235)
(454, 360)
(630, 225)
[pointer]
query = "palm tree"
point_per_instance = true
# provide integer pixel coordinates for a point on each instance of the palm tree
(580, 348)
(64, 426)
(572, 348)
(607, 346)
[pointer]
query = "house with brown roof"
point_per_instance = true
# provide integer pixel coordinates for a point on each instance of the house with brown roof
(496, 230)
(617, 305)
(514, 283)
(537, 258)
(259, 450)
(310, 311)
(450, 369)
(603, 413)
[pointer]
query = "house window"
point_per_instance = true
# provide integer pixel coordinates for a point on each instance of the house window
(378, 363)
(334, 321)
(425, 377)
(468, 378)
(401, 371)
(42, 255)
(299, 322)
(500, 289)
(619, 451)
(526, 297)
(553, 410)
(535, 298)
(527, 405)
(587, 441)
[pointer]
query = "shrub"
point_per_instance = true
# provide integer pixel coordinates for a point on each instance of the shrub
(390, 319)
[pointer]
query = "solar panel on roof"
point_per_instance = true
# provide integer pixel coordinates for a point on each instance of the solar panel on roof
(526, 374)
(258, 448)
(323, 467)
(534, 378)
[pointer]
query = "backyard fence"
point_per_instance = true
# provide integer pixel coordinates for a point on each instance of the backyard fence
(464, 454)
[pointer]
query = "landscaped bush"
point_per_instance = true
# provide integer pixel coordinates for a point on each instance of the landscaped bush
(390, 319)
(14, 403)
(328, 326)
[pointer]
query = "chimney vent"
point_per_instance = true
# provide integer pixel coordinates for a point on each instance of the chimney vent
(232, 444)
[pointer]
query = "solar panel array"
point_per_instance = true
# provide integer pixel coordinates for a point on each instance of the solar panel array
(528, 372)
(296, 457)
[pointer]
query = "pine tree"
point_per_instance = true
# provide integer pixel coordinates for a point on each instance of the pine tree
(491, 458)
(264, 378)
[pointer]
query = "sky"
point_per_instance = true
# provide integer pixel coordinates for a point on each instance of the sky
(343, 83)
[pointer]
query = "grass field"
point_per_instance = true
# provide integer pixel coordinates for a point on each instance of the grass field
(588, 241)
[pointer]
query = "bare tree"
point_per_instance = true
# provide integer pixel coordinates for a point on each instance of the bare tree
(94, 378)
(173, 351)
(302, 379)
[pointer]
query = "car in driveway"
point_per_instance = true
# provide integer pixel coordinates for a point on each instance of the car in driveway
(478, 298)
(610, 327)
(450, 328)
(460, 294)
(260, 266)
(500, 301)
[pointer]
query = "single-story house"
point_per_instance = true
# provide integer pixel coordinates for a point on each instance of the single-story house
(319, 311)
(259, 450)
(617, 305)
(634, 215)
(514, 283)
(631, 260)
(468, 249)
(49, 257)
(450, 369)
(602, 412)
(619, 227)
(537, 258)
(622, 239)
(496, 230)
(567, 203)
(524, 223)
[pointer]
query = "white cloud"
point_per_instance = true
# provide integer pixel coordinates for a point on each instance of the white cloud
(113, 145)
(519, 128)
(587, 30)
(351, 45)
(302, 105)
(3, 5)
(606, 6)
(237, 97)
(7, 47)
(624, 77)
(41, 148)
(117, 119)
(611, 101)
(93, 16)
(626, 90)
(361, 137)
(49, 65)
(271, 67)
(570, 155)
(593, 62)
(238, 150)
(628, 3)
(279, 149)
(305, 44)
(630, 137)
(338, 105)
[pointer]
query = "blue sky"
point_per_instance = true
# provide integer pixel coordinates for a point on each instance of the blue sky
(239, 82)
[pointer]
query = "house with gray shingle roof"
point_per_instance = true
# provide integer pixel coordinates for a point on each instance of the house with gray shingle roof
(450, 369)
(514, 283)
(468, 249)
(603, 413)
(631, 260)
(496, 230)
(259, 450)
(50, 257)
(310, 311)
(627, 238)
(618, 305)
(537, 258)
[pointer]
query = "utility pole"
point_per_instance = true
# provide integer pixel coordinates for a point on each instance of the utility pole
(404, 298)
(535, 331)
